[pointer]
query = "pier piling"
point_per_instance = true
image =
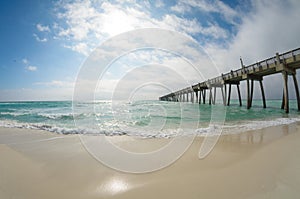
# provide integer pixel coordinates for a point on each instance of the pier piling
(285, 91)
(297, 91)
(229, 93)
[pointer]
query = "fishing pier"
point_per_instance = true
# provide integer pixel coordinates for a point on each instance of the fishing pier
(286, 63)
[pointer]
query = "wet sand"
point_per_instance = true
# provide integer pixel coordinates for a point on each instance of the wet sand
(258, 164)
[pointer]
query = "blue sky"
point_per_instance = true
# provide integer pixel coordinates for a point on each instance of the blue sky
(44, 43)
(24, 47)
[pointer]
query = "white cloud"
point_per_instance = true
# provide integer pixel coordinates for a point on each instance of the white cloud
(192, 27)
(215, 31)
(42, 28)
(267, 29)
(57, 84)
(80, 48)
(31, 68)
(269, 26)
(226, 11)
(171, 71)
(139, 81)
(207, 6)
(159, 3)
(181, 8)
(40, 39)
(90, 23)
(180, 24)
(25, 61)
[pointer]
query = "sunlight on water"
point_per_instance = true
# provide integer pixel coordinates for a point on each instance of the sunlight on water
(141, 118)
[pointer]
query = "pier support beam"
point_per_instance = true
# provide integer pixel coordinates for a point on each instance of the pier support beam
(200, 92)
(239, 94)
(297, 90)
(248, 94)
(193, 96)
(237, 83)
(210, 97)
(203, 95)
(251, 96)
(215, 95)
(197, 98)
(262, 93)
(250, 89)
(223, 95)
(229, 93)
(285, 91)
(187, 97)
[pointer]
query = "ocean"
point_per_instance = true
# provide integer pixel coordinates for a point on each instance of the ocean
(143, 118)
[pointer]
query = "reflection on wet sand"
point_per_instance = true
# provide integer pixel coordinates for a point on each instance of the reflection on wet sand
(114, 186)
(261, 136)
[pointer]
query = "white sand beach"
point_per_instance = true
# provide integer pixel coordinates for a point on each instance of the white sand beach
(259, 164)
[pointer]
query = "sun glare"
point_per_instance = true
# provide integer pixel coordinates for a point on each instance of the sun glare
(118, 22)
(114, 186)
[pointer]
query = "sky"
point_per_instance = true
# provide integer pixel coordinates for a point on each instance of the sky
(46, 44)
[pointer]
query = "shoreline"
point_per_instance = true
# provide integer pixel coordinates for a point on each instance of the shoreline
(229, 127)
(255, 164)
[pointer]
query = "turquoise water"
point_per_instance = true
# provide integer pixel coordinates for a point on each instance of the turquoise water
(143, 118)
